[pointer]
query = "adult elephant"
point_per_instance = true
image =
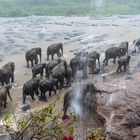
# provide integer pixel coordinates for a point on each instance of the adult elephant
(124, 48)
(7, 73)
(113, 52)
(55, 49)
(123, 62)
(48, 85)
(50, 65)
(95, 55)
(79, 63)
(30, 88)
(136, 43)
(83, 89)
(4, 91)
(38, 69)
(32, 56)
(60, 72)
(39, 52)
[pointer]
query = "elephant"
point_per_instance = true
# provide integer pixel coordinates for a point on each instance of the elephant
(48, 85)
(79, 63)
(7, 73)
(113, 52)
(55, 49)
(83, 89)
(95, 55)
(4, 91)
(31, 55)
(38, 69)
(39, 52)
(30, 88)
(124, 47)
(50, 65)
(136, 43)
(60, 72)
(123, 61)
(82, 63)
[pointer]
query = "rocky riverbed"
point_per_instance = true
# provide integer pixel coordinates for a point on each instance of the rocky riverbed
(119, 109)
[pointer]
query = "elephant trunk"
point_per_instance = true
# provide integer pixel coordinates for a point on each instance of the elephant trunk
(62, 48)
(8, 92)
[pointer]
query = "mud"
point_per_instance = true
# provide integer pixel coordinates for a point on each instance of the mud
(76, 33)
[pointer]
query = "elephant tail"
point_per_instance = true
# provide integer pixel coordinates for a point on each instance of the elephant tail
(40, 54)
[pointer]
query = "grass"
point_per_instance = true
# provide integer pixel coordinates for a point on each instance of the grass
(16, 8)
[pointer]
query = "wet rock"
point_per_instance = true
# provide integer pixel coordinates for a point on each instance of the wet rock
(115, 136)
(136, 131)
(137, 138)
(25, 107)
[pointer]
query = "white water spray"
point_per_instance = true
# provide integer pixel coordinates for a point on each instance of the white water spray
(75, 104)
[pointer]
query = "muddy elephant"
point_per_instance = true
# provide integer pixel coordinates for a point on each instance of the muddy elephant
(38, 69)
(48, 85)
(4, 91)
(32, 56)
(50, 65)
(55, 49)
(60, 72)
(7, 73)
(30, 88)
(136, 44)
(113, 52)
(123, 62)
(83, 89)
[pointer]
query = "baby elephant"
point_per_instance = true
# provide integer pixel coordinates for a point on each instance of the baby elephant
(123, 61)
(29, 88)
(38, 69)
(3, 96)
(48, 85)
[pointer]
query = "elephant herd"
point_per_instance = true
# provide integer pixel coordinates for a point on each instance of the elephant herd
(58, 72)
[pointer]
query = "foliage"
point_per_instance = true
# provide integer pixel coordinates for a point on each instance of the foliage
(42, 124)
(16, 8)
(96, 134)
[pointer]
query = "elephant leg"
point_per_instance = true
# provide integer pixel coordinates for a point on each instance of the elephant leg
(5, 103)
(50, 92)
(41, 73)
(85, 73)
(12, 79)
(61, 83)
(114, 61)
(117, 69)
(106, 62)
(27, 64)
(47, 56)
(124, 67)
(54, 89)
(52, 56)
(36, 61)
(120, 68)
(32, 63)
(98, 62)
(65, 107)
(33, 76)
(44, 96)
(2, 83)
(32, 96)
(24, 98)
